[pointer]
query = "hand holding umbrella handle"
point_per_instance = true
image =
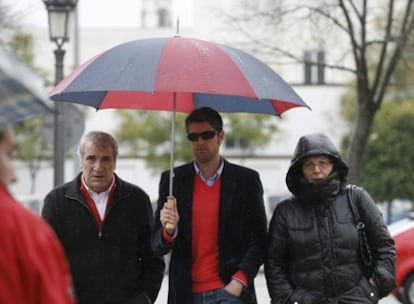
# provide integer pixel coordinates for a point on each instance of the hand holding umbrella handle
(172, 203)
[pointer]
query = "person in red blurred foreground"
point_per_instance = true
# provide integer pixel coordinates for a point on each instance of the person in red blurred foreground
(33, 266)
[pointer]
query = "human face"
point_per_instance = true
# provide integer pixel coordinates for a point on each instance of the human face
(98, 164)
(317, 167)
(205, 150)
(7, 150)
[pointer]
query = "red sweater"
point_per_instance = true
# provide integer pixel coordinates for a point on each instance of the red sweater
(205, 251)
(205, 236)
(33, 267)
(206, 200)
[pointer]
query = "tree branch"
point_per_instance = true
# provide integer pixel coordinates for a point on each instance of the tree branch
(406, 29)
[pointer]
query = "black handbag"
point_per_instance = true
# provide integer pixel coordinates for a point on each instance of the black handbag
(364, 249)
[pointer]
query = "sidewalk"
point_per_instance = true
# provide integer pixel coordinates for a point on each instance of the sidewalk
(261, 290)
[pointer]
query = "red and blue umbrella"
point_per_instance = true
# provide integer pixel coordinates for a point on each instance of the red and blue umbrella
(147, 73)
(177, 74)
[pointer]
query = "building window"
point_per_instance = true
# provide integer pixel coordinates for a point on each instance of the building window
(163, 18)
(143, 18)
(314, 68)
(235, 143)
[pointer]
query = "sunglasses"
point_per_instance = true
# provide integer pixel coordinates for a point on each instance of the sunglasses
(204, 135)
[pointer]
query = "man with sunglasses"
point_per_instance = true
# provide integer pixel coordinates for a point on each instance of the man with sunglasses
(216, 231)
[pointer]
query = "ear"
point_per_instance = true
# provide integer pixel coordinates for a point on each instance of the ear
(220, 137)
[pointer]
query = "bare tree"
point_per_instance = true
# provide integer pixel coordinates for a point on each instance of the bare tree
(364, 38)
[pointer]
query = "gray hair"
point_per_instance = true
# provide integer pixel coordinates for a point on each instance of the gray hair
(99, 138)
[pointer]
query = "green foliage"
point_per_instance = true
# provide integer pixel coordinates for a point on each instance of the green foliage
(33, 149)
(254, 130)
(21, 45)
(147, 134)
(386, 166)
(388, 162)
(31, 143)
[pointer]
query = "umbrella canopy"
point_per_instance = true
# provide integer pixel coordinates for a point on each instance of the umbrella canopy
(22, 94)
(177, 74)
(152, 73)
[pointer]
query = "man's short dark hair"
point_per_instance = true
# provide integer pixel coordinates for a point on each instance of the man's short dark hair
(205, 114)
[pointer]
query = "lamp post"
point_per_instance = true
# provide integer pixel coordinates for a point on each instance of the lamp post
(59, 16)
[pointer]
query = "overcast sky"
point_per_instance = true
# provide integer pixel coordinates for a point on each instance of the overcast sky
(93, 13)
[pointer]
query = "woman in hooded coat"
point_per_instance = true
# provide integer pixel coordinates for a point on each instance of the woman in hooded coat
(313, 244)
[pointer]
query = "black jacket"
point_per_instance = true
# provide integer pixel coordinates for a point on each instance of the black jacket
(242, 229)
(313, 243)
(113, 266)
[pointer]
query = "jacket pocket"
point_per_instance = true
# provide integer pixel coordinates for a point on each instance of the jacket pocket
(367, 292)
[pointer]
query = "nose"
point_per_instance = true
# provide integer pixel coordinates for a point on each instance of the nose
(198, 139)
(316, 168)
(98, 166)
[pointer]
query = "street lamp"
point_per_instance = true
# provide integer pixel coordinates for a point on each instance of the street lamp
(59, 15)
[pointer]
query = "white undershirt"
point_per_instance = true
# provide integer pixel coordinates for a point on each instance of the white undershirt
(100, 199)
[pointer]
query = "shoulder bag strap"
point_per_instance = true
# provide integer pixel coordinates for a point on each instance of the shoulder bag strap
(354, 209)
(365, 250)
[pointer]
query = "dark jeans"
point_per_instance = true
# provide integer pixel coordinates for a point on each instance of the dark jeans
(217, 296)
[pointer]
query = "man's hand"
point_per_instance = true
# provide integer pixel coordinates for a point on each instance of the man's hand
(169, 217)
(234, 288)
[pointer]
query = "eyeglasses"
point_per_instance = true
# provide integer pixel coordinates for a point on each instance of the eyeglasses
(204, 135)
(322, 165)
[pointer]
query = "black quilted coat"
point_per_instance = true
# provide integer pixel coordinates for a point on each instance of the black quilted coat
(313, 244)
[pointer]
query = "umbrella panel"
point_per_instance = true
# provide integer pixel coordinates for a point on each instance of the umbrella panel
(178, 75)
(145, 73)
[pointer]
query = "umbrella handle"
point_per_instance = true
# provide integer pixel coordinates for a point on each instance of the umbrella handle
(172, 203)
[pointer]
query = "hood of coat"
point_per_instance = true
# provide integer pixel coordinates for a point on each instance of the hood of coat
(314, 144)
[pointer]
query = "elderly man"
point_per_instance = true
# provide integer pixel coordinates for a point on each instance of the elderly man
(104, 224)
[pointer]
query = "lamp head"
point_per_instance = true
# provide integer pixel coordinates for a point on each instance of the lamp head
(59, 15)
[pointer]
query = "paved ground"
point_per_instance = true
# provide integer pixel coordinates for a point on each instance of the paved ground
(261, 290)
